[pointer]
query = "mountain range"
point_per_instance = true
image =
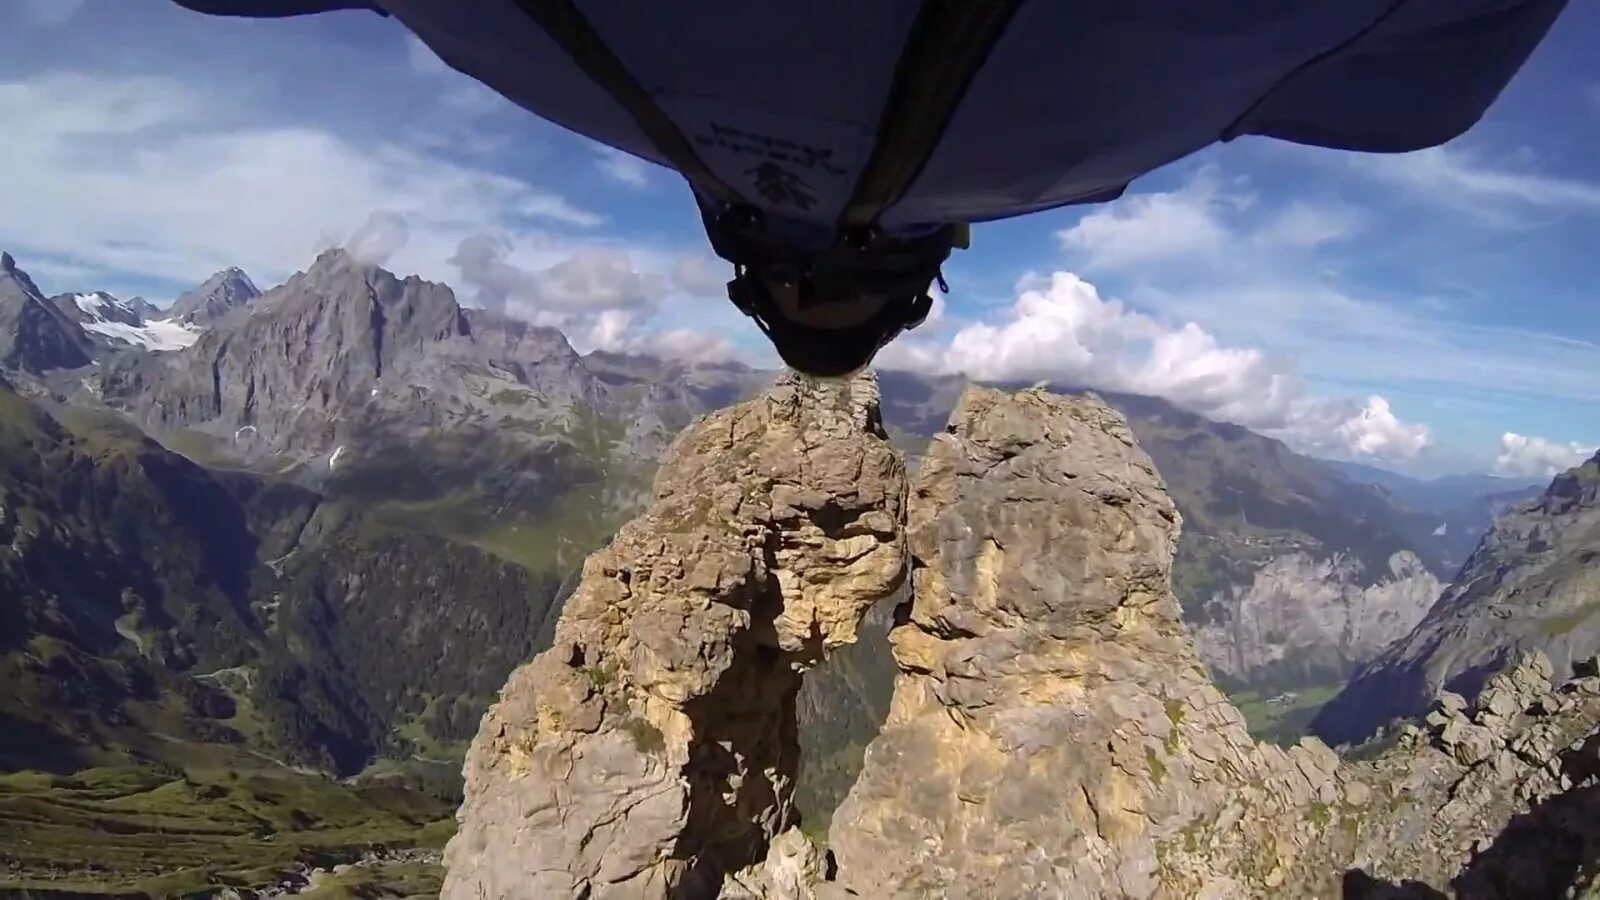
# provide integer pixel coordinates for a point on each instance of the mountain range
(384, 393)
(322, 523)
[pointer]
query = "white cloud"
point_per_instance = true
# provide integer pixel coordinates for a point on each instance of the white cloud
(701, 276)
(1378, 432)
(615, 331)
(584, 280)
(1525, 455)
(1461, 180)
(1265, 275)
(623, 168)
(1207, 219)
(1060, 330)
(379, 238)
(604, 297)
(150, 176)
(421, 57)
(1146, 227)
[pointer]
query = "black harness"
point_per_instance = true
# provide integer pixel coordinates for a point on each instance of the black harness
(864, 271)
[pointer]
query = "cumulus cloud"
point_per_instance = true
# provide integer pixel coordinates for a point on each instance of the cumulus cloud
(1060, 330)
(1376, 431)
(159, 178)
(617, 331)
(598, 295)
(1525, 455)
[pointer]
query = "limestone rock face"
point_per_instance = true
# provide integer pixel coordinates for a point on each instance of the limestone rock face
(651, 752)
(1053, 736)
(1301, 613)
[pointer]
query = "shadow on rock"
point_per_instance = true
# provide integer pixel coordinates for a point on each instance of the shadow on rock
(1358, 885)
(1552, 850)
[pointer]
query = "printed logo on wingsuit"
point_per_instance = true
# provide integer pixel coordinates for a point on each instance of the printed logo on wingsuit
(775, 178)
(780, 186)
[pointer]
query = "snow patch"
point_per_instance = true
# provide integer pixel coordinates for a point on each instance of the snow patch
(159, 335)
(333, 460)
(91, 304)
(1440, 531)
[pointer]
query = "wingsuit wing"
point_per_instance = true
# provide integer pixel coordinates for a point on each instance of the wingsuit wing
(906, 113)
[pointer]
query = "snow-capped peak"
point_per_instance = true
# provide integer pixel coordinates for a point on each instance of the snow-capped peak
(99, 302)
(119, 321)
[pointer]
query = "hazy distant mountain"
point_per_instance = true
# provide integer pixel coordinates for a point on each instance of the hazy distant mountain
(1533, 583)
(1465, 505)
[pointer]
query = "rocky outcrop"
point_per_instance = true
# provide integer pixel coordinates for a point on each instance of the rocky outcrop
(1052, 735)
(1485, 800)
(1532, 584)
(651, 752)
(1301, 618)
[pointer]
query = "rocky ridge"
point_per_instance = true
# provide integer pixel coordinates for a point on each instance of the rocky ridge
(1052, 733)
(35, 336)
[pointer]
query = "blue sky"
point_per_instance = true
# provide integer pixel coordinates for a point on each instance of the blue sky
(1432, 312)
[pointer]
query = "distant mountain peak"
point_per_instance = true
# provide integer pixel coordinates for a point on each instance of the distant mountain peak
(10, 272)
(216, 297)
(35, 335)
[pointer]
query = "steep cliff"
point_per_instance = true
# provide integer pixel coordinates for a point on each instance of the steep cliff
(651, 752)
(1300, 618)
